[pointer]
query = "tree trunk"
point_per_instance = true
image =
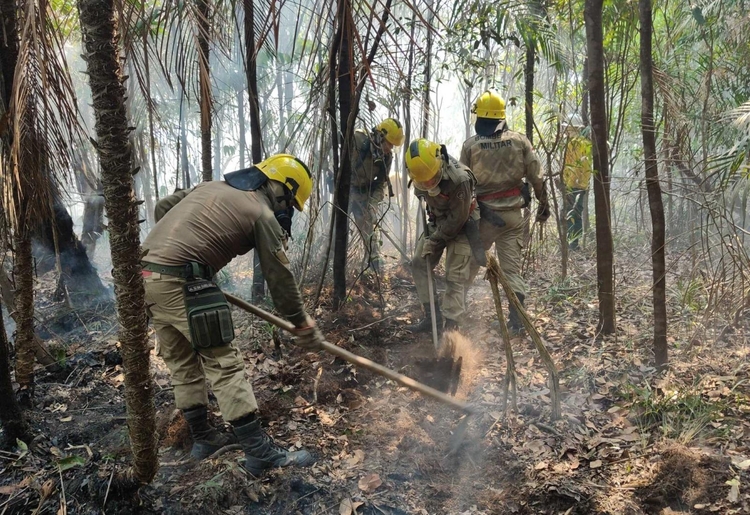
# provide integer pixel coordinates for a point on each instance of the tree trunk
(528, 76)
(407, 139)
(241, 124)
(596, 86)
(256, 136)
(11, 415)
(100, 37)
(586, 123)
(79, 276)
(655, 203)
(24, 275)
(282, 119)
(343, 182)
(204, 27)
(217, 152)
(182, 144)
(430, 4)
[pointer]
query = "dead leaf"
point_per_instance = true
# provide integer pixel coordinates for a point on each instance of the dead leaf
(345, 508)
(9, 489)
(595, 464)
(325, 418)
(370, 482)
(743, 465)
(734, 491)
(541, 465)
(66, 419)
(355, 459)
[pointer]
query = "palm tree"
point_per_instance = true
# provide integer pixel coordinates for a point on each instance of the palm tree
(101, 38)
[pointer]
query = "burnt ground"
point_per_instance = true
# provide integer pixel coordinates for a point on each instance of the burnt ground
(630, 440)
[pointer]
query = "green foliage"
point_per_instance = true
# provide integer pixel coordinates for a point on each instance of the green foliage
(60, 352)
(690, 293)
(680, 414)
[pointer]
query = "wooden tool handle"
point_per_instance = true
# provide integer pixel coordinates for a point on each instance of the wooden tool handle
(355, 359)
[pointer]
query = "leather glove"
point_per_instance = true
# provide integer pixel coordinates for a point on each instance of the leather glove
(542, 213)
(309, 336)
(430, 247)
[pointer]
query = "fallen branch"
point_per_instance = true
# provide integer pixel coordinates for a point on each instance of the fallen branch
(554, 380)
(510, 364)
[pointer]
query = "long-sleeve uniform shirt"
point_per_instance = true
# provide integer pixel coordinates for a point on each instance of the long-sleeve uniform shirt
(577, 169)
(450, 209)
(500, 162)
(213, 223)
(368, 174)
(455, 203)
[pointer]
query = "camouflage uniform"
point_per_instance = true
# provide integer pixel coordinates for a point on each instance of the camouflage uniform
(368, 190)
(210, 225)
(449, 212)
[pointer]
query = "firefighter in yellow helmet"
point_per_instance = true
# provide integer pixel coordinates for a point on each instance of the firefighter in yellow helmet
(576, 177)
(372, 155)
(447, 187)
(198, 232)
(505, 165)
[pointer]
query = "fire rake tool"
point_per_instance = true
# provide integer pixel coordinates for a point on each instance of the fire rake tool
(379, 369)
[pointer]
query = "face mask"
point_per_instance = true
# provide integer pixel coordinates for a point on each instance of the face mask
(434, 191)
(284, 217)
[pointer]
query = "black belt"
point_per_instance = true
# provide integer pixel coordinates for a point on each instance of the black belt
(185, 271)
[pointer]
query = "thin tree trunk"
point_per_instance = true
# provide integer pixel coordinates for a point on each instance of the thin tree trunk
(152, 140)
(256, 136)
(42, 353)
(586, 123)
(596, 87)
(282, 118)
(427, 72)
(655, 203)
(528, 76)
(182, 144)
(100, 37)
(24, 275)
(241, 124)
(79, 275)
(204, 27)
(217, 152)
(11, 415)
(407, 139)
(343, 182)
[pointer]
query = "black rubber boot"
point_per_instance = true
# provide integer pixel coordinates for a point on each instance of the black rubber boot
(515, 326)
(262, 453)
(451, 325)
(206, 439)
(425, 325)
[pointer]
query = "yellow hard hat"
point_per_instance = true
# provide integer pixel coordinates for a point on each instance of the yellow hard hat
(423, 160)
(489, 105)
(392, 130)
(292, 173)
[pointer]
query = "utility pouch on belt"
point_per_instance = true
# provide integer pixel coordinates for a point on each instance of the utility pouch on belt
(490, 215)
(526, 194)
(208, 314)
(475, 241)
